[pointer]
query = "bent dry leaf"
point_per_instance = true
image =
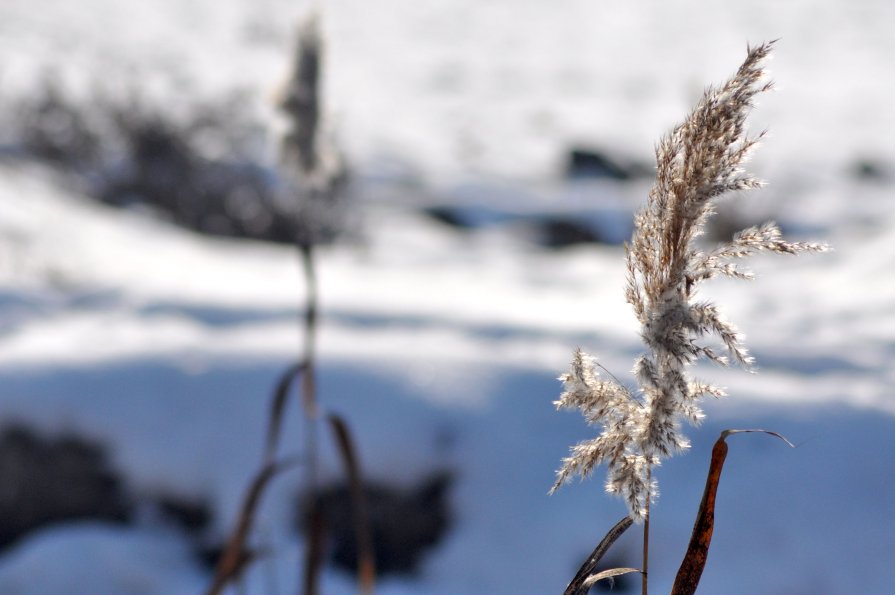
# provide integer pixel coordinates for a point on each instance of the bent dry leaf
(366, 563)
(579, 585)
(236, 556)
(316, 521)
(612, 573)
(278, 406)
(691, 568)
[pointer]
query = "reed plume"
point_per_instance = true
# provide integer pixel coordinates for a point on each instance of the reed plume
(313, 169)
(698, 162)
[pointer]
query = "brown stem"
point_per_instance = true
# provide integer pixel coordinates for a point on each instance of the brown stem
(309, 397)
(309, 379)
(645, 569)
(366, 558)
(309, 406)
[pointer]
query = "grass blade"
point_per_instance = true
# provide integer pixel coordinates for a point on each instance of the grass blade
(236, 556)
(578, 586)
(278, 406)
(366, 562)
(611, 573)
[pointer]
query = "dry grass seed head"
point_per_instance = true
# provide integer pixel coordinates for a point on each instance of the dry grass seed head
(698, 162)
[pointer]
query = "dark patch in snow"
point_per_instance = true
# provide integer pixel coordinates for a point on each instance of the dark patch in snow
(203, 170)
(405, 522)
(449, 216)
(871, 170)
(548, 229)
(728, 220)
(192, 514)
(582, 162)
(54, 130)
(163, 169)
(563, 232)
(50, 480)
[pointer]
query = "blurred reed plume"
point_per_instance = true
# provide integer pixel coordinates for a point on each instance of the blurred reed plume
(313, 169)
(697, 163)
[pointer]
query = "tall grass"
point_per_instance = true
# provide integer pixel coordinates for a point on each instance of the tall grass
(700, 161)
(314, 183)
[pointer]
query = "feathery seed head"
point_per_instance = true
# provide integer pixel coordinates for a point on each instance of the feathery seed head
(700, 160)
(312, 168)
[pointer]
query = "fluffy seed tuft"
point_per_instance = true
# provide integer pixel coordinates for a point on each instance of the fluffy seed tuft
(700, 160)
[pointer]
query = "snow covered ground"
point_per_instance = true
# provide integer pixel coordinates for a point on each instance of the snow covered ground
(441, 347)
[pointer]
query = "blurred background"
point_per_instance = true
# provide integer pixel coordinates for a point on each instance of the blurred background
(495, 155)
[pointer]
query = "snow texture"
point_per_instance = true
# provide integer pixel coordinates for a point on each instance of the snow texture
(441, 348)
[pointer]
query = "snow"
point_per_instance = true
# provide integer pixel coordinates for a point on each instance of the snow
(54, 561)
(440, 347)
(499, 89)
